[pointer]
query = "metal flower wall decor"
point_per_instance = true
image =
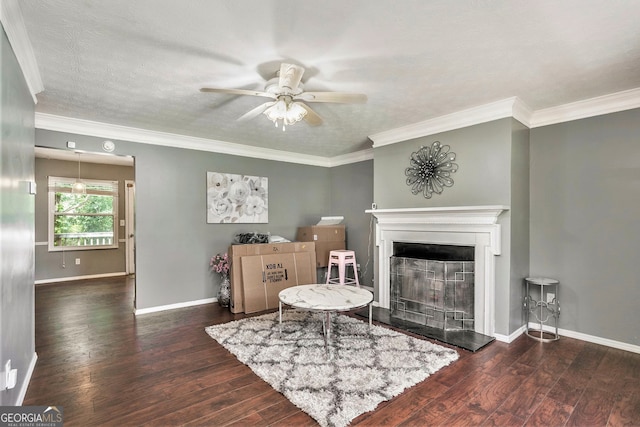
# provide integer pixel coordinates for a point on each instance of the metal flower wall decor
(431, 169)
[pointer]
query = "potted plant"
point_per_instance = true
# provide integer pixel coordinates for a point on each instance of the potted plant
(220, 264)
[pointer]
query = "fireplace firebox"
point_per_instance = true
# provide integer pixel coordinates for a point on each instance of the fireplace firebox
(433, 285)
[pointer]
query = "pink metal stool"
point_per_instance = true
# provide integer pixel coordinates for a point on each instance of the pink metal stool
(342, 258)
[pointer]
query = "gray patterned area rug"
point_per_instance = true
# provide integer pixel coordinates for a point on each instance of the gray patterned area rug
(360, 368)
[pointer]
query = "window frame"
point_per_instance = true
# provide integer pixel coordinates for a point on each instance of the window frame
(63, 185)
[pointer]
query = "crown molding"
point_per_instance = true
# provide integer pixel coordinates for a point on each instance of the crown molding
(510, 107)
(607, 104)
(346, 159)
(516, 108)
(13, 24)
(522, 112)
(124, 133)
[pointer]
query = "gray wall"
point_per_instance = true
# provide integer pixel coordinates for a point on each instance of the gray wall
(519, 218)
(483, 154)
(174, 242)
(493, 170)
(17, 328)
(351, 195)
(585, 221)
(49, 265)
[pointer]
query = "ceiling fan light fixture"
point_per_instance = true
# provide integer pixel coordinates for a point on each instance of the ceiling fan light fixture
(295, 113)
(285, 111)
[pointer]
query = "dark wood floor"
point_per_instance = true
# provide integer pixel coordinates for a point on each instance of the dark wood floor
(105, 366)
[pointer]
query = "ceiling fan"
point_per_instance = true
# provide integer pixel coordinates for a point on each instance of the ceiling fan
(288, 96)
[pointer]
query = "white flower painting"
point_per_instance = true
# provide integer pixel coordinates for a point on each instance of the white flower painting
(236, 199)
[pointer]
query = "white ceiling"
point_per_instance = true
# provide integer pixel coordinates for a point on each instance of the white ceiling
(141, 63)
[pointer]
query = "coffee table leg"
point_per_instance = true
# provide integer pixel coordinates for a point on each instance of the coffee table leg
(324, 331)
(370, 313)
(280, 315)
(328, 321)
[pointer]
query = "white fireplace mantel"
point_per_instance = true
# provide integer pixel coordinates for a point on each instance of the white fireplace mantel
(475, 226)
(441, 215)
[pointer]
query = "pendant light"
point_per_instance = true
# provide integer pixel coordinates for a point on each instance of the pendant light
(79, 187)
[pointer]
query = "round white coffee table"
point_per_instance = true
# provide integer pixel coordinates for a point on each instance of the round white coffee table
(327, 299)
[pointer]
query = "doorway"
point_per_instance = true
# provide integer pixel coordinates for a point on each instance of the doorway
(87, 262)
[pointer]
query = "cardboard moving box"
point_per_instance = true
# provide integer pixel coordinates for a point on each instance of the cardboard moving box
(321, 233)
(239, 252)
(326, 237)
(264, 276)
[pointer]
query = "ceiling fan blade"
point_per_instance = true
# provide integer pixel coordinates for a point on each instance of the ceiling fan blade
(311, 117)
(290, 76)
(238, 92)
(256, 111)
(339, 97)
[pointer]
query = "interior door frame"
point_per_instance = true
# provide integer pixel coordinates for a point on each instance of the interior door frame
(129, 207)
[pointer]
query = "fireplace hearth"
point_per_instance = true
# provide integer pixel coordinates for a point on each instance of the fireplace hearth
(468, 340)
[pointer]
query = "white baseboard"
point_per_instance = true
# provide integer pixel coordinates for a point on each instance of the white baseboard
(174, 306)
(27, 379)
(88, 276)
(590, 338)
(571, 334)
(510, 338)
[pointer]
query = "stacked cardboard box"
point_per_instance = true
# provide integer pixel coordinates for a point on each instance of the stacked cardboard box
(326, 237)
(259, 272)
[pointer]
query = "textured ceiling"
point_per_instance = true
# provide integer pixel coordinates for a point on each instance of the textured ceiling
(141, 63)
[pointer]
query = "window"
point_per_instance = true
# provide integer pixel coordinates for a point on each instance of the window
(82, 221)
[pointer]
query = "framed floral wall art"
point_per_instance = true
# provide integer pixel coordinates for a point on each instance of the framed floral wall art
(233, 198)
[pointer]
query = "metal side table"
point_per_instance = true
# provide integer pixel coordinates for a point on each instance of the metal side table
(546, 308)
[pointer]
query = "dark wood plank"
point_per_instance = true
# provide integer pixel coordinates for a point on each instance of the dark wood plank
(404, 406)
(501, 418)
(272, 414)
(531, 392)
(626, 411)
(298, 419)
(105, 366)
(593, 408)
(550, 413)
